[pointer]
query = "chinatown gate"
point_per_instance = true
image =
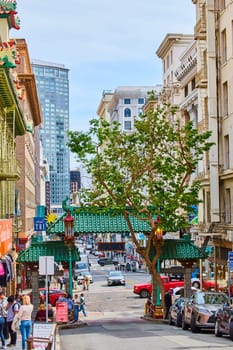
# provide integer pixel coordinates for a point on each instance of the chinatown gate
(77, 221)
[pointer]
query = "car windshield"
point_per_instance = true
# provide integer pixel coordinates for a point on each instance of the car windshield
(115, 273)
(80, 266)
(211, 298)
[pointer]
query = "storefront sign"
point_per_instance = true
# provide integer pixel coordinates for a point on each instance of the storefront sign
(39, 224)
(43, 331)
(61, 312)
(5, 236)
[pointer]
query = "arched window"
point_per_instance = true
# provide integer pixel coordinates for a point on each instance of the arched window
(127, 112)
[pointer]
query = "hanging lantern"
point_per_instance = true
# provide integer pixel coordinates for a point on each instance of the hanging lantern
(69, 224)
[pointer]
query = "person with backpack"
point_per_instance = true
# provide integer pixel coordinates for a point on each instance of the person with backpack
(12, 308)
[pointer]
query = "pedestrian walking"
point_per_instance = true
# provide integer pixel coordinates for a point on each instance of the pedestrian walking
(3, 303)
(25, 317)
(61, 281)
(82, 306)
(168, 301)
(76, 303)
(2, 320)
(86, 282)
(12, 310)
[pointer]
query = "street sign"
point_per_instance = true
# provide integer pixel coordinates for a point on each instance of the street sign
(46, 265)
(230, 261)
(39, 224)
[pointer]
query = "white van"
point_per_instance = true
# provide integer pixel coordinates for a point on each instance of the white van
(82, 265)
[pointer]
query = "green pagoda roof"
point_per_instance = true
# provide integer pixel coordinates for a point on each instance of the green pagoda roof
(89, 222)
(58, 249)
(181, 249)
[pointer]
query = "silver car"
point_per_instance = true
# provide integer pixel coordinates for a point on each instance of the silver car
(115, 278)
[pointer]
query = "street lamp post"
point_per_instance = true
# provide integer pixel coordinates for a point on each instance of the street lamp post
(159, 243)
(69, 241)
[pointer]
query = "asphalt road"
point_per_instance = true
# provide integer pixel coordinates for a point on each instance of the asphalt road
(129, 334)
(115, 322)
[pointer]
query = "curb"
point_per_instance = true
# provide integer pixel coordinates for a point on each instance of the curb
(154, 320)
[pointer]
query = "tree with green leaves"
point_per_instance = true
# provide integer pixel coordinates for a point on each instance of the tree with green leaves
(145, 172)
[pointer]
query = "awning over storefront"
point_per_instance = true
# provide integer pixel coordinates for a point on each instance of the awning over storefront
(58, 249)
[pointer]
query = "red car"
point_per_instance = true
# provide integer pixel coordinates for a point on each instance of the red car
(145, 289)
(54, 294)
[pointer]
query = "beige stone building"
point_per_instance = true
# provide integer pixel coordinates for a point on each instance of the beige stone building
(26, 152)
(198, 78)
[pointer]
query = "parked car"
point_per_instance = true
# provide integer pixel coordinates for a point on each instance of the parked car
(81, 275)
(224, 321)
(101, 254)
(175, 312)
(199, 311)
(144, 289)
(54, 294)
(115, 278)
(106, 261)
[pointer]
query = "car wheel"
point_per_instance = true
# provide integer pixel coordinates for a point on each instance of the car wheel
(231, 330)
(101, 264)
(193, 326)
(178, 322)
(217, 333)
(184, 324)
(170, 319)
(196, 284)
(144, 293)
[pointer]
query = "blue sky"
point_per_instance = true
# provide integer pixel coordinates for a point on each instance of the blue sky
(105, 44)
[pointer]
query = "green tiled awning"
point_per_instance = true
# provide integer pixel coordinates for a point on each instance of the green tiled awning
(87, 222)
(50, 248)
(181, 250)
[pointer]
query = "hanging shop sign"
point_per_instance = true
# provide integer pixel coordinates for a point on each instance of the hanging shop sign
(5, 236)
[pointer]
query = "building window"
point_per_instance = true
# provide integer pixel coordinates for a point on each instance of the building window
(127, 125)
(227, 152)
(193, 84)
(140, 101)
(186, 90)
(232, 36)
(164, 68)
(208, 216)
(227, 206)
(167, 61)
(127, 101)
(127, 112)
(171, 56)
(224, 46)
(225, 99)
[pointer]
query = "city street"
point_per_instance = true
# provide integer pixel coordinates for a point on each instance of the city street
(115, 321)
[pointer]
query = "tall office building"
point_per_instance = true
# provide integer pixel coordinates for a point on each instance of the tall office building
(53, 89)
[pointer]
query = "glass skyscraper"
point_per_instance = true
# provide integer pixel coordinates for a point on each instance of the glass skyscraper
(53, 89)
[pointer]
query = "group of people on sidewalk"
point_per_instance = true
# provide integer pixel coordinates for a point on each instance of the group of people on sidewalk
(15, 310)
(75, 305)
